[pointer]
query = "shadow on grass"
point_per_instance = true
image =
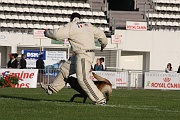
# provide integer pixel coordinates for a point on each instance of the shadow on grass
(32, 99)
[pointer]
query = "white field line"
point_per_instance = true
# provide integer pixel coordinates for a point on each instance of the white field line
(118, 106)
(134, 107)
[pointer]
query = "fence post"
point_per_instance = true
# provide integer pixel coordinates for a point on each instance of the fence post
(129, 80)
(48, 75)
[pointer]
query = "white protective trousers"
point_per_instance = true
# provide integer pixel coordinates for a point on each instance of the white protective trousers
(81, 65)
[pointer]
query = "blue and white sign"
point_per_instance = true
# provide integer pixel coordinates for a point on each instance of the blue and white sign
(34, 54)
(51, 58)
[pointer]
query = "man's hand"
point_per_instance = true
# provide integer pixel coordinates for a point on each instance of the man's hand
(102, 48)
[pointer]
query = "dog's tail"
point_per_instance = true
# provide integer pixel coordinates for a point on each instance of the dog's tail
(99, 78)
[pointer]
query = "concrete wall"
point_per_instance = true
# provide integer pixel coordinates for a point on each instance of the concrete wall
(162, 46)
(157, 48)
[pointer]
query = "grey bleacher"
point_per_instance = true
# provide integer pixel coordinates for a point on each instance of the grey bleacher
(166, 15)
(26, 15)
(117, 19)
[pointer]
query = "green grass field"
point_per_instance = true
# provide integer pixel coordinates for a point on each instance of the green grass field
(35, 104)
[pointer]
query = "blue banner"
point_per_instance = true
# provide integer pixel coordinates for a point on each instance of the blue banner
(34, 54)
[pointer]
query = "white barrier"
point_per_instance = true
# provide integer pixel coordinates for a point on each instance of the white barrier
(159, 80)
(29, 77)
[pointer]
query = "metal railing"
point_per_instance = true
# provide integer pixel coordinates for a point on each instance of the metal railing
(125, 78)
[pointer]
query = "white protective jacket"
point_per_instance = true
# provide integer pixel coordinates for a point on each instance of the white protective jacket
(81, 35)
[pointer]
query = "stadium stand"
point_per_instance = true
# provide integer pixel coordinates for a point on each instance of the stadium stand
(26, 15)
(165, 16)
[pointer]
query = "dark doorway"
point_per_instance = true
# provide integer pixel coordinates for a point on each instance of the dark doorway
(121, 5)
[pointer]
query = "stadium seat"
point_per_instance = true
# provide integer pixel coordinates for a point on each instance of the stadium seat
(155, 15)
(80, 5)
(161, 15)
(64, 11)
(35, 18)
(85, 20)
(55, 26)
(91, 20)
(2, 16)
(6, 8)
(172, 16)
(3, 24)
(24, 1)
(30, 2)
(62, 4)
(158, 23)
(10, 25)
(4, 1)
(47, 18)
(169, 8)
(97, 21)
(51, 11)
(49, 26)
(175, 24)
(26, 9)
(27, 17)
(57, 11)
(163, 8)
(17, 25)
(30, 25)
(10, 1)
(13, 9)
(43, 26)
(45, 10)
(21, 17)
(175, 9)
(19, 9)
(101, 13)
(95, 13)
(37, 26)
(150, 15)
(36, 2)
(23, 25)
(157, 8)
(43, 3)
(161, 1)
(169, 23)
(166, 16)
(17, 2)
(60, 19)
(33, 10)
(89, 13)
(106, 29)
(68, 4)
(77, 11)
(86, 5)
(39, 10)
(54, 3)
(177, 16)
(173, 1)
(41, 18)
(1, 8)
(70, 12)
(82, 12)
(66, 20)
(54, 19)
(163, 23)
(103, 21)
(74, 4)
(15, 17)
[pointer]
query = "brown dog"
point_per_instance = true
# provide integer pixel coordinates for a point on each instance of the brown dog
(102, 84)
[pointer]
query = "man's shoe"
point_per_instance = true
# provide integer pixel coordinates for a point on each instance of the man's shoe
(101, 103)
(45, 87)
